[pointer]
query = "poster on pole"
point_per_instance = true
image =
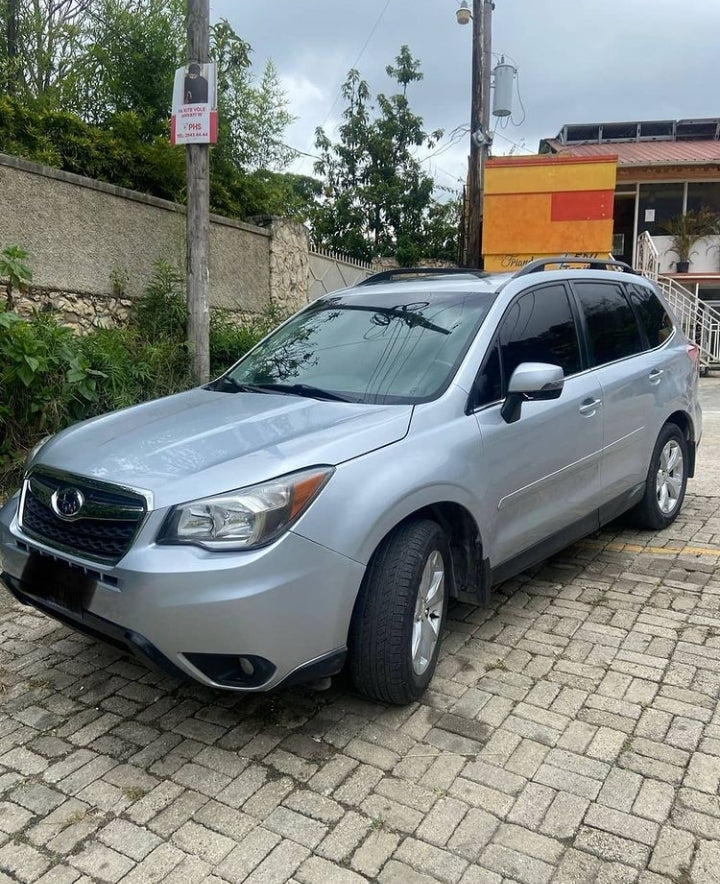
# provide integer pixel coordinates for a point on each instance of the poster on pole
(194, 107)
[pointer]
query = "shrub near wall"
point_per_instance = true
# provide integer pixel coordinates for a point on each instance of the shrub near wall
(51, 376)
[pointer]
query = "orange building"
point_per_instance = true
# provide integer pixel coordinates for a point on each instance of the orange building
(547, 205)
(557, 201)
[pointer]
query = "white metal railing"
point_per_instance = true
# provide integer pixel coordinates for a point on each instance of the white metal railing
(699, 321)
(648, 257)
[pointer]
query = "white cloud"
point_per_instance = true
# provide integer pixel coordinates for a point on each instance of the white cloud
(579, 60)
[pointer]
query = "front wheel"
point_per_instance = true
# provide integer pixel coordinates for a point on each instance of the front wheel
(399, 614)
(666, 481)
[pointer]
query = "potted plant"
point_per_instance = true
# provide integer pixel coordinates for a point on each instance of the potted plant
(685, 230)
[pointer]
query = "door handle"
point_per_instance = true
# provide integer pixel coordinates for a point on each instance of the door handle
(655, 375)
(590, 406)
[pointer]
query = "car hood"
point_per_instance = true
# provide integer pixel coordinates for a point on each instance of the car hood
(203, 442)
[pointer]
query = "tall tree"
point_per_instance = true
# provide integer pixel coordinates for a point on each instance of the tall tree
(253, 115)
(128, 60)
(378, 197)
(42, 41)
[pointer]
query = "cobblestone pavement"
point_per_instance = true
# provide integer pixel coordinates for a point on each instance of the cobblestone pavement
(572, 734)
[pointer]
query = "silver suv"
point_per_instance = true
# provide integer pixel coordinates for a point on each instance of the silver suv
(388, 448)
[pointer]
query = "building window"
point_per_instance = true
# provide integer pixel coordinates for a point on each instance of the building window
(658, 204)
(704, 194)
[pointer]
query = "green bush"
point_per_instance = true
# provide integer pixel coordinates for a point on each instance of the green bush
(46, 383)
(230, 340)
(50, 376)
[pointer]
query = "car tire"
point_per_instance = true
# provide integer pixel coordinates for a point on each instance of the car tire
(666, 481)
(399, 614)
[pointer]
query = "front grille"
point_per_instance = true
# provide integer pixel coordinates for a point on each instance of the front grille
(105, 533)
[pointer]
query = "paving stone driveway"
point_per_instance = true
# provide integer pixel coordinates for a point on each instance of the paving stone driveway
(572, 734)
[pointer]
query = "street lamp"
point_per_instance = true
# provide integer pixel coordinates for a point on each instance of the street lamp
(463, 14)
(480, 137)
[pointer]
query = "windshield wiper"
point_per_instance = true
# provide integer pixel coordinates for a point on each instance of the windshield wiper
(230, 384)
(306, 390)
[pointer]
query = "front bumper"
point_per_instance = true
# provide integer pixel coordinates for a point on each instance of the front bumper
(289, 603)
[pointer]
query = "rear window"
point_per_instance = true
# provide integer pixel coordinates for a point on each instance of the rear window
(613, 331)
(654, 318)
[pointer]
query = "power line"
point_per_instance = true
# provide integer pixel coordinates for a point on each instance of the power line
(515, 143)
(360, 55)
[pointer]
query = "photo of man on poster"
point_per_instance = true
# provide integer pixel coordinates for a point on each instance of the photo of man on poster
(196, 86)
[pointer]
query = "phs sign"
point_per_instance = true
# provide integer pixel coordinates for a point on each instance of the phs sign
(194, 113)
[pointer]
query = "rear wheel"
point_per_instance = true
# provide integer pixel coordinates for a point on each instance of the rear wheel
(399, 614)
(666, 481)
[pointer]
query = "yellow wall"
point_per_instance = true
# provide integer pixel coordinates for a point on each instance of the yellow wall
(539, 206)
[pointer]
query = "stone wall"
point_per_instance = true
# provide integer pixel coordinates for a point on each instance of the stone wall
(81, 311)
(82, 233)
(289, 262)
(330, 272)
(92, 247)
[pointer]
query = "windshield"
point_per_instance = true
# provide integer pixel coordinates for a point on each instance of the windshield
(359, 350)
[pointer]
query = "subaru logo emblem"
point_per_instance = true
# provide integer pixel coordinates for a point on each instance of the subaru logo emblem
(67, 503)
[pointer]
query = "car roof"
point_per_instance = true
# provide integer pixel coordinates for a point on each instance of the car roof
(448, 283)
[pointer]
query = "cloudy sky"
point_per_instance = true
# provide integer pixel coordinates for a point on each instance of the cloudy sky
(578, 61)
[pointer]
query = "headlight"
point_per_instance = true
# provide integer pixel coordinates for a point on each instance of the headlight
(34, 450)
(247, 518)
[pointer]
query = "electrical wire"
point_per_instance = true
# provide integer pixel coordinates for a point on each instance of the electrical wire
(522, 106)
(458, 133)
(357, 60)
(515, 143)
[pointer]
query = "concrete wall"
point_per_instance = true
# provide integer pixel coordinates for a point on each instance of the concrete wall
(80, 233)
(705, 257)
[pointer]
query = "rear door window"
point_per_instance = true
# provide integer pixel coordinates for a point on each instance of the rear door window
(612, 329)
(653, 316)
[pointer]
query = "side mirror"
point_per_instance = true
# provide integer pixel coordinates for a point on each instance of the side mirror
(531, 381)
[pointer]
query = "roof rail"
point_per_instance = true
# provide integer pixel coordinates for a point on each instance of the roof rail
(398, 274)
(562, 261)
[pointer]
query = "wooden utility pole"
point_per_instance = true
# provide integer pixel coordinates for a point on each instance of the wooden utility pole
(198, 208)
(479, 125)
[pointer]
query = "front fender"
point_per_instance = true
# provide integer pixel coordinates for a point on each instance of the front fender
(369, 496)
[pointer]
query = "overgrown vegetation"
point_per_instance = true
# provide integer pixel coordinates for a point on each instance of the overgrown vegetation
(51, 376)
(86, 86)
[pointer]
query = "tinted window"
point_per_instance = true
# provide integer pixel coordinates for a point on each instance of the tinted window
(611, 324)
(488, 386)
(539, 327)
(653, 317)
(366, 350)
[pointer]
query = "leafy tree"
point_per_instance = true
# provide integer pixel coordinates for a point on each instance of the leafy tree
(42, 38)
(253, 116)
(378, 199)
(130, 53)
(441, 229)
(94, 90)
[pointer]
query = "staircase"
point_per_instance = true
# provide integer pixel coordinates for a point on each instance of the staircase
(699, 322)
